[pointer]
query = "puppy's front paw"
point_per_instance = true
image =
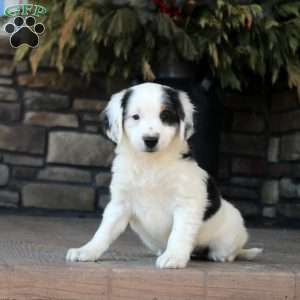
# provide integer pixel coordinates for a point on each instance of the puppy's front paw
(82, 254)
(171, 261)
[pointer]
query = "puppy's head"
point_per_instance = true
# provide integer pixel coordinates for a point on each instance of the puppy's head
(150, 116)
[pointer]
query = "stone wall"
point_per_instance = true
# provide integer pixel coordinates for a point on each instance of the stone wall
(53, 156)
(260, 156)
(51, 152)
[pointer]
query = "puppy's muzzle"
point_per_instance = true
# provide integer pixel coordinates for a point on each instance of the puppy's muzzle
(150, 141)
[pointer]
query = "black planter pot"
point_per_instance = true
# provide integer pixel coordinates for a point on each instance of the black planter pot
(208, 118)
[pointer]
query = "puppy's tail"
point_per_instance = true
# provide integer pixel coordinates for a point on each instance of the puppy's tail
(249, 254)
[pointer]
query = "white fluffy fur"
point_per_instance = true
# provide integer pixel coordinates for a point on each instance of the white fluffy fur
(160, 195)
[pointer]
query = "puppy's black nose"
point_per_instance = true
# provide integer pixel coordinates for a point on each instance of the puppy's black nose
(150, 141)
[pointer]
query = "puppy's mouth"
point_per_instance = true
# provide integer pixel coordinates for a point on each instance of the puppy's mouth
(150, 150)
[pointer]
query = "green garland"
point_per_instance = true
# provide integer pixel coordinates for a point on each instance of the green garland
(235, 41)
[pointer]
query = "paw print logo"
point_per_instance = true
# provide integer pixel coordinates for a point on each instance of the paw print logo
(24, 31)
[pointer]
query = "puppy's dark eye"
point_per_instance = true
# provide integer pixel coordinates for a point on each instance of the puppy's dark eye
(168, 117)
(136, 117)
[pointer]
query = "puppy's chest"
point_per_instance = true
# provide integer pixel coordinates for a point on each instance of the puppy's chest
(152, 197)
(151, 190)
(152, 210)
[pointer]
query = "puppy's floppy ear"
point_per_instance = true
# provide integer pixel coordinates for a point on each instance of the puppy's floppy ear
(186, 127)
(113, 114)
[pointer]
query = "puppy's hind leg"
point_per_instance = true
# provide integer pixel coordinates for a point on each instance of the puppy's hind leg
(219, 254)
(228, 247)
(249, 254)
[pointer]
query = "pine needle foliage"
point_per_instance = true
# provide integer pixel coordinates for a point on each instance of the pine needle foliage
(126, 38)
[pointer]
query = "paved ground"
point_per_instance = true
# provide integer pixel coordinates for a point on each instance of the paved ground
(32, 266)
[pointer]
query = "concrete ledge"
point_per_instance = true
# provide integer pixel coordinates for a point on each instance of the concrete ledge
(32, 266)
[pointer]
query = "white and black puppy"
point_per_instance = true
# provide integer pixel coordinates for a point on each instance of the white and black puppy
(167, 199)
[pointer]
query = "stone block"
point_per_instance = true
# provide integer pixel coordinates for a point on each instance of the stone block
(285, 121)
(79, 149)
(23, 160)
(9, 112)
(50, 80)
(273, 149)
(246, 181)
(8, 94)
(89, 105)
(277, 170)
(5, 47)
(275, 123)
(48, 119)
(22, 139)
(282, 101)
(103, 200)
(6, 68)
(290, 147)
(248, 122)
(92, 129)
(6, 81)
(91, 117)
(290, 210)
(251, 167)
(58, 196)
(243, 144)
(245, 103)
(16, 184)
(103, 179)
(288, 188)
(295, 170)
(65, 174)
(270, 192)
(41, 80)
(38, 101)
(239, 193)
(247, 208)
(24, 173)
(9, 199)
(4, 175)
(269, 212)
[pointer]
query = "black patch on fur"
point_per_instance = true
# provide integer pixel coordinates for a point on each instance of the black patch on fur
(169, 116)
(124, 103)
(174, 111)
(105, 122)
(214, 198)
(105, 126)
(200, 254)
(187, 155)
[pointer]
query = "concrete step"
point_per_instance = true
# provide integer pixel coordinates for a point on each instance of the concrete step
(32, 266)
